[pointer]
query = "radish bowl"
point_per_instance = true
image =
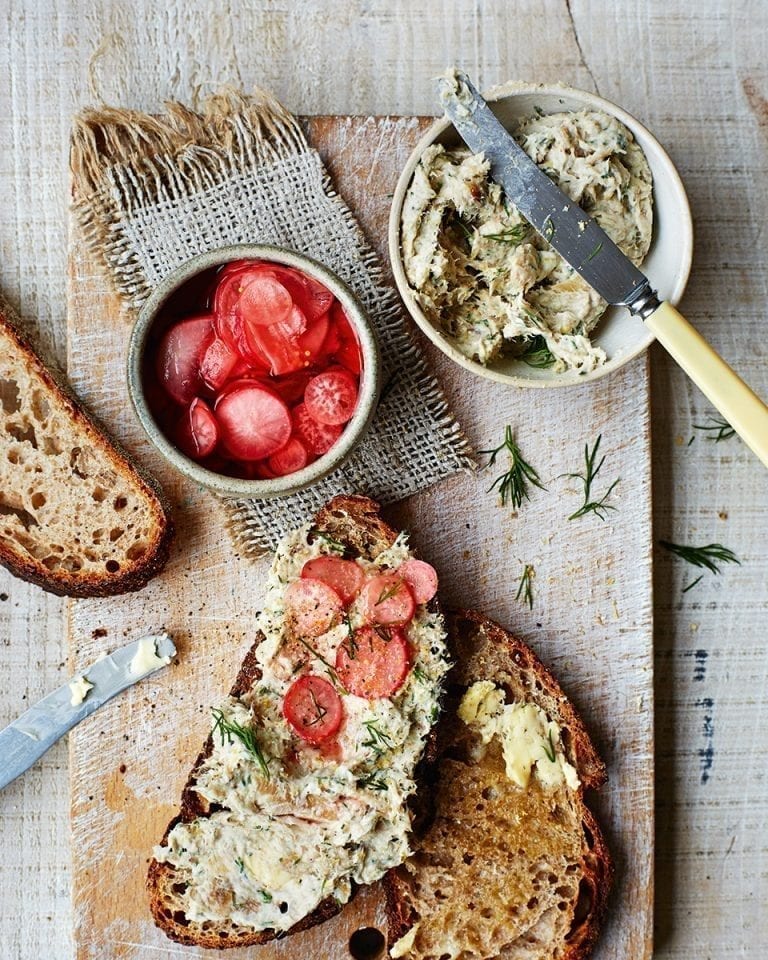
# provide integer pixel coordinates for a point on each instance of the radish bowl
(254, 370)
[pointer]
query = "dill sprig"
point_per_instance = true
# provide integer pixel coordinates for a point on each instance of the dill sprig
(372, 781)
(388, 593)
(525, 589)
(591, 470)
(708, 556)
(514, 236)
(537, 354)
(551, 752)
(331, 669)
(718, 429)
(378, 741)
(512, 485)
(246, 735)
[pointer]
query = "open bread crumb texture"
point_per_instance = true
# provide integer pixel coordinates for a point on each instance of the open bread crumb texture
(499, 871)
(66, 507)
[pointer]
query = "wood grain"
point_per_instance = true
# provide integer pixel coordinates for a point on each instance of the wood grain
(696, 75)
(591, 619)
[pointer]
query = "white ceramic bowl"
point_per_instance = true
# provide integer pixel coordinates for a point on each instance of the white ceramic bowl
(667, 265)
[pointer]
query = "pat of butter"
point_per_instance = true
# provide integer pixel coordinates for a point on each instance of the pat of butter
(529, 739)
(80, 688)
(404, 945)
(145, 659)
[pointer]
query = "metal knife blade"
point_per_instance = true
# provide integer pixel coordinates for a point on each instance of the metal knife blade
(561, 221)
(28, 737)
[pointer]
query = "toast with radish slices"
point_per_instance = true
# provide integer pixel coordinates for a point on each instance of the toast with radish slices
(302, 791)
(511, 863)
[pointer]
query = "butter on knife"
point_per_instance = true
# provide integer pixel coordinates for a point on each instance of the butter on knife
(28, 737)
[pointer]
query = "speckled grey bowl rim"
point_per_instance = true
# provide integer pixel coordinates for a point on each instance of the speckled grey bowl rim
(355, 430)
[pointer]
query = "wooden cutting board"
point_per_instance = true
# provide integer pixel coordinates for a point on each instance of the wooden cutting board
(591, 620)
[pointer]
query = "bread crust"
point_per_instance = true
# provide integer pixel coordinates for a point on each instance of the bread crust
(356, 521)
(63, 582)
(596, 862)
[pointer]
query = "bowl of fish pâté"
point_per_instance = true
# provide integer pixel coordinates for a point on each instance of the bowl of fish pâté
(488, 289)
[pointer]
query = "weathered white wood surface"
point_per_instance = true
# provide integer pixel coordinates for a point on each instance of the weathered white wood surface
(697, 74)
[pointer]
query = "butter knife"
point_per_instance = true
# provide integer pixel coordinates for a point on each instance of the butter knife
(28, 737)
(591, 252)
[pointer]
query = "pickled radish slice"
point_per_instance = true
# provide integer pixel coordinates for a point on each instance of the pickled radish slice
(179, 356)
(421, 577)
(218, 362)
(387, 599)
(290, 458)
(311, 607)
(254, 423)
(264, 300)
(313, 298)
(348, 352)
(343, 576)
(312, 708)
(198, 431)
(331, 397)
(374, 662)
(317, 437)
(291, 387)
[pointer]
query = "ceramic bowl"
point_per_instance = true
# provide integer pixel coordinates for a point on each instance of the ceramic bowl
(667, 265)
(369, 378)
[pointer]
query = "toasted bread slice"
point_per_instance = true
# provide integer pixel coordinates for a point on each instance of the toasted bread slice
(355, 522)
(501, 870)
(76, 517)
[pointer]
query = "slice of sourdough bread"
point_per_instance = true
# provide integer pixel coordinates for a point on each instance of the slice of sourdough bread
(502, 870)
(355, 523)
(76, 517)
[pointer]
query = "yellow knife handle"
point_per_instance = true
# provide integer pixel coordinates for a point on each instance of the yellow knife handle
(742, 408)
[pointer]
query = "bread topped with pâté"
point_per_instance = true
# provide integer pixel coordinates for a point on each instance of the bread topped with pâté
(302, 791)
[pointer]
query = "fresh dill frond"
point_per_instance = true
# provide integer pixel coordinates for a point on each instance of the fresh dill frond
(551, 752)
(591, 469)
(693, 583)
(227, 729)
(514, 236)
(708, 556)
(420, 674)
(373, 781)
(331, 669)
(512, 485)
(388, 592)
(717, 429)
(525, 589)
(594, 253)
(265, 896)
(239, 864)
(378, 740)
(537, 354)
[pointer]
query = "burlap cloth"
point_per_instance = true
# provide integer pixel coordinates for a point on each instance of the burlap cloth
(151, 192)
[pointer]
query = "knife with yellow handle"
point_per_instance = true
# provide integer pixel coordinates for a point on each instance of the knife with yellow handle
(591, 252)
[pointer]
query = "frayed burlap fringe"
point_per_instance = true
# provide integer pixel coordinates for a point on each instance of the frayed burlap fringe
(149, 192)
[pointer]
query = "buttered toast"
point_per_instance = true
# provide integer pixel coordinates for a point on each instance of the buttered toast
(511, 863)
